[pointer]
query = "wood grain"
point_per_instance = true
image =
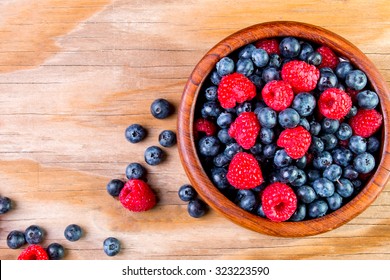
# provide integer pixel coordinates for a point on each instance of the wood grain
(75, 74)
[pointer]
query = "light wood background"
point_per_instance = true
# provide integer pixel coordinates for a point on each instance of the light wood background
(75, 73)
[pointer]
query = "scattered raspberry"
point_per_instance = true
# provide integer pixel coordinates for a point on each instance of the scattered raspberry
(245, 129)
(296, 141)
(205, 126)
(137, 196)
(278, 95)
(329, 58)
(300, 75)
(244, 171)
(33, 252)
(366, 122)
(334, 103)
(279, 202)
(269, 45)
(235, 88)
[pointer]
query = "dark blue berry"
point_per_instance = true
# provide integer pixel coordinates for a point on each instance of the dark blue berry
(114, 187)
(356, 79)
(329, 126)
(221, 160)
(73, 232)
(196, 208)
(224, 137)
(245, 66)
(304, 103)
(313, 175)
(267, 117)
(288, 174)
(373, 144)
(266, 135)
(326, 69)
(317, 209)
(232, 149)
(357, 144)
(330, 141)
(342, 156)
(289, 47)
(299, 214)
(161, 108)
(135, 171)
(306, 49)
(342, 69)
(352, 112)
(256, 149)
(187, 192)
(344, 132)
(269, 150)
(269, 74)
(317, 145)
(256, 80)
(281, 159)
(322, 160)
(334, 201)
(211, 109)
(34, 234)
(111, 246)
(357, 184)
(15, 239)
(314, 58)
(301, 162)
(275, 61)
(301, 179)
(367, 99)
(333, 172)
(167, 138)
(304, 123)
(154, 155)
(364, 163)
(327, 80)
(260, 57)
(243, 107)
(315, 128)
(218, 176)
(211, 93)
(288, 118)
(260, 211)
(215, 78)
(225, 66)
(306, 194)
(246, 52)
(323, 187)
(344, 187)
(5, 204)
(135, 133)
(350, 173)
(246, 200)
(55, 251)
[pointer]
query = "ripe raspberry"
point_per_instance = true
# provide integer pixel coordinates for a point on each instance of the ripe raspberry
(329, 58)
(137, 196)
(269, 45)
(352, 93)
(279, 202)
(235, 88)
(245, 129)
(296, 141)
(244, 172)
(334, 103)
(278, 95)
(300, 75)
(33, 252)
(205, 126)
(366, 122)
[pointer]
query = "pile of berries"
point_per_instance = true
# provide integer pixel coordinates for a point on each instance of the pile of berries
(287, 129)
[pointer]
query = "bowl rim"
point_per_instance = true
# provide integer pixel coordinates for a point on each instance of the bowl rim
(193, 167)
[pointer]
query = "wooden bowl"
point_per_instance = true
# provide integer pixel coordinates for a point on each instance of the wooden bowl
(198, 176)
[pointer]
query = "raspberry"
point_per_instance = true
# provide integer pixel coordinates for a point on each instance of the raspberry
(137, 196)
(279, 202)
(245, 129)
(334, 103)
(244, 172)
(352, 93)
(296, 141)
(329, 58)
(205, 126)
(366, 122)
(33, 252)
(300, 75)
(235, 88)
(278, 95)
(269, 45)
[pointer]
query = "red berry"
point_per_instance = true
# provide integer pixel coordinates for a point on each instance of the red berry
(278, 95)
(366, 122)
(33, 252)
(296, 141)
(329, 58)
(205, 126)
(300, 75)
(352, 93)
(269, 45)
(244, 172)
(137, 196)
(245, 129)
(334, 103)
(279, 202)
(235, 88)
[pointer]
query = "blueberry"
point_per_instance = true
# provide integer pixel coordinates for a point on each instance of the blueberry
(257, 149)
(356, 79)
(364, 163)
(322, 160)
(243, 107)
(154, 155)
(343, 68)
(221, 160)
(329, 126)
(334, 201)
(211, 109)
(269, 74)
(288, 174)
(186, 192)
(281, 159)
(260, 211)
(211, 93)
(245, 66)
(225, 66)
(299, 214)
(301, 179)
(274, 177)
(350, 173)
(306, 49)
(342, 156)
(224, 137)
(304, 103)
(167, 138)
(333, 172)
(306, 194)
(246, 200)
(135, 133)
(289, 47)
(246, 52)
(266, 135)
(269, 150)
(367, 99)
(344, 187)
(135, 171)
(317, 209)
(315, 128)
(344, 132)
(373, 144)
(114, 187)
(330, 141)
(5, 204)
(232, 149)
(260, 57)
(313, 175)
(218, 176)
(314, 58)
(275, 61)
(323, 187)
(301, 162)
(196, 208)
(357, 144)
(111, 246)
(352, 112)
(215, 78)
(73, 232)
(327, 80)
(267, 117)
(256, 80)
(304, 123)
(55, 251)
(317, 145)
(161, 108)
(15, 239)
(34, 234)
(288, 118)
(326, 69)
(357, 184)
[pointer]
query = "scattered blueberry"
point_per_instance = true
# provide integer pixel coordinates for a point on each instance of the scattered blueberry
(167, 138)
(187, 193)
(55, 251)
(16, 239)
(34, 234)
(197, 208)
(154, 155)
(135, 133)
(161, 108)
(73, 232)
(114, 187)
(5, 204)
(111, 246)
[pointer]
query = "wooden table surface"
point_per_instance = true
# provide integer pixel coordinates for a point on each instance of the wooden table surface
(75, 73)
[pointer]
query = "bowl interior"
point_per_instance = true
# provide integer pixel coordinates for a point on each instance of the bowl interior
(200, 180)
